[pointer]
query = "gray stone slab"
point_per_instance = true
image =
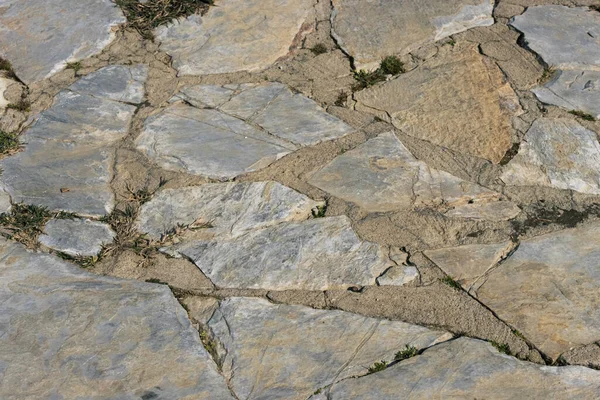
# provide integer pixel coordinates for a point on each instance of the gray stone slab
(206, 142)
(317, 254)
(231, 208)
(575, 90)
(71, 334)
(288, 352)
(67, 160)
(470, 369)
(558, 153)
(549, 289)
(566, 38)
(372, 30)
(40, 36)
(76, 237)
(382, 175)
(236, 36)
(115, 82)
(224, 131)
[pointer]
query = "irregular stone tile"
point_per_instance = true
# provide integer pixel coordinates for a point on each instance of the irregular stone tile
(40, 36)
(566, 38)
(71, 334)
(4, 84)
(317, 254)
(469, 264)
(288, 352)
(548, 289)
(236, 35)
(115, 82)
(574, 90)
(398, 276)
(371, 30)
(437, 102)
(67, 160)
(496, 211)
(382, 175)
(5, 204)
(76, 237)
(558, 153)
(225, 131)
(228, 207)
(470, 369)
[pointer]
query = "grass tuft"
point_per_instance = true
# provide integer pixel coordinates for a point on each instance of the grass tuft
(408, 352)
(6, 66)
(583, 115)
(501, 347)
(378, 366)
(390, 65)
(75, 66)
(451, 282)
(9, 143)
(22, 105)
(24, 223)
(144, 17)
(319, 48)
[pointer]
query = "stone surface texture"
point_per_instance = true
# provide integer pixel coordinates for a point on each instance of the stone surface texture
(236, 35)
(575, 90)
(288, 352)
(70, 334)
(40, 36)
(67, 160)
(382, 175)
(558, 153)
(372, 30)
(477, 371)
(566, 38)
(437, 101)
(76, 237)
(231, 208)
(316, 254)
(548, 289)
(234, 129)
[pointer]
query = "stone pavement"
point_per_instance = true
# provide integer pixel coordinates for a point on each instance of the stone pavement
(311, 199)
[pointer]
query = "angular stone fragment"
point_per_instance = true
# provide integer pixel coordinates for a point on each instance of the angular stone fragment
(76, 237)
(574, 90)
(40, 36)
(566, 38)
(549, 289)
(71, 334)
(469, 264)
(439, 100)
(288, 352)
(67, 160)
(317, 254)
(228, 207)
(558, 153)
(398, 276)
(4, 84)
(371, 30)
(236, 35)
(115, 82)
(382, 175)
(234, 129)
(470, 369)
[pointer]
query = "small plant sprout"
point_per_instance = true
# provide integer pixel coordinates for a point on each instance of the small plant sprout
(75, 66)
(501, 347)
(9, 143)
(378, 366)
(583, 115)
(408, 352)
(451, 282)
(392, 65)
(319, 48)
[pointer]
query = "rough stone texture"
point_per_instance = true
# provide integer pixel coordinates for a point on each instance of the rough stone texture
(4, 84)
(469, 264)
(382, 175)
(470, 369)
(288, 352)
(398, 276)
(437, 102)
(317, 254)
(40, 36)
(559, 153)
(228, 207)
(574, 90)
(566, 38)
(71, 334)
(5, 205)
(371, 30)
(76, 237)
(234, 129)
(548, 289)
(236, 35)
(67, 160)
(115, 82)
